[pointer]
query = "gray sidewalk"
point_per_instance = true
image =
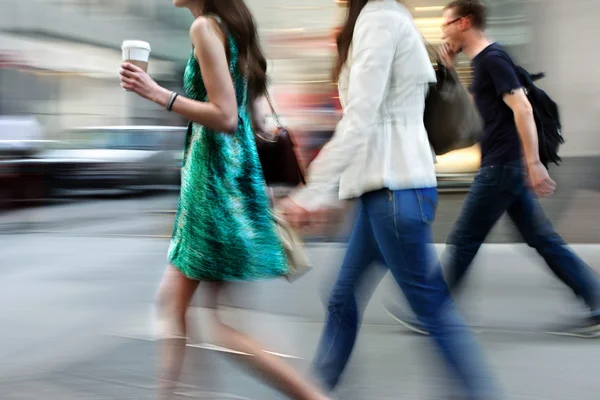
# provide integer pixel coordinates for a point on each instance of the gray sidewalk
(388, 364)
(78, 325)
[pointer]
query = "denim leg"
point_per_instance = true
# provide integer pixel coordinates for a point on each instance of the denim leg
(528, 215)
(487, 200)
(341, 327)
(401, 222)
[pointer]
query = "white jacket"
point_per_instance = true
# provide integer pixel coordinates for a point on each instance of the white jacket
(381, 141)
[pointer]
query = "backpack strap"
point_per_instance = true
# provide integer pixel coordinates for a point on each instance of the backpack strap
(538, 76)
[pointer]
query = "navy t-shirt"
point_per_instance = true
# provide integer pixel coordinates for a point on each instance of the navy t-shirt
(494, 75)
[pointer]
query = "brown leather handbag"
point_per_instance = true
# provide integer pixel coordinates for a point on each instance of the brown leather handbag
(277, 155)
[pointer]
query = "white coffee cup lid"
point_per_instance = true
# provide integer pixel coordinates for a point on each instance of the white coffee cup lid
(133, 44)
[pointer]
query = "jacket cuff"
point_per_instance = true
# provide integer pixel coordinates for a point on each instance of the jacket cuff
(313, 200)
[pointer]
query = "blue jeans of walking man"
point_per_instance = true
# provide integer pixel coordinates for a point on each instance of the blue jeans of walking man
(394, 227)
(502, 188)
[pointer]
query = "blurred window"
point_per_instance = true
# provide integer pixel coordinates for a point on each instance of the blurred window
(174, 140)
(128, 139)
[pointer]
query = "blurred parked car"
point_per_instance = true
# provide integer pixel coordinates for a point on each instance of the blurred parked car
(21, 137)
(115, 157)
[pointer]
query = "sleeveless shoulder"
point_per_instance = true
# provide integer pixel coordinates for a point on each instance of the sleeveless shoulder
(193, 81)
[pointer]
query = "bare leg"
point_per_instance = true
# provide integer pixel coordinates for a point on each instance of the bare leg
(174, 296)
(275, 371)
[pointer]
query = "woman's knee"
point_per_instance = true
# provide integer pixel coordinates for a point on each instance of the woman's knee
(172, 301)
(167, 304)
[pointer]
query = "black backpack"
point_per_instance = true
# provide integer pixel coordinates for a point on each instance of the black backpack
(547, 119)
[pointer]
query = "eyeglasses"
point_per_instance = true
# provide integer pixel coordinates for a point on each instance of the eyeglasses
(447, 24)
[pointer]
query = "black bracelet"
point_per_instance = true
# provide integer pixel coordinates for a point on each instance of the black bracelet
(172, 100)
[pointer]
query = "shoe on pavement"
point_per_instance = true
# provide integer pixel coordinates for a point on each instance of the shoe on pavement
(588, 328)
(400, 316)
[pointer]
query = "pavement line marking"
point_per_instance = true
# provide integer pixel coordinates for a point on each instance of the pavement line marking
(145, 339)
(208, 346)
(214, 347)
(83, 234)
(200, 394)
(113, 381)
(195, 390)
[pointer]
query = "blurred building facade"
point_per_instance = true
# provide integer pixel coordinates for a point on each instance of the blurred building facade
(63, 55)
(62, 59)
(563, 33)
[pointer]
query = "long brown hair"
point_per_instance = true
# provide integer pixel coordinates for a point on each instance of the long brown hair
(240, 23)
(344, 37)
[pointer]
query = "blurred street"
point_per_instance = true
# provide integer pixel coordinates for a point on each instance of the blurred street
(89, 174)
(77, 318)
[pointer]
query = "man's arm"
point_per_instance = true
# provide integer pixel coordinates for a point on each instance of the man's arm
(507, 84)
(521, 108)
(539, 179)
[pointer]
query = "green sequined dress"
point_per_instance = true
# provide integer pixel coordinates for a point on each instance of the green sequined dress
(224, 230)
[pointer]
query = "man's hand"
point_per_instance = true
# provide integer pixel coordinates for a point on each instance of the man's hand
(540, 180)
(447, 55)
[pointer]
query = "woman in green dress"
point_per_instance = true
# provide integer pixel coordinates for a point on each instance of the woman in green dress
(224, 230)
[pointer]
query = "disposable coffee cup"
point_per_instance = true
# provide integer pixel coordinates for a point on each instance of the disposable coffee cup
(136, 52)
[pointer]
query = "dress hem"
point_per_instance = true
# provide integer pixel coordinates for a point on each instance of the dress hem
(255, 278)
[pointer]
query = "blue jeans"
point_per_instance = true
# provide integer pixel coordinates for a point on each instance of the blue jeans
(395, 227)
(502, 188)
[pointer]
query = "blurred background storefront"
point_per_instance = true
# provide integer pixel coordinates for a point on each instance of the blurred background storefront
(62, 57)
(59, 62)
(302, 48)
(70, 49)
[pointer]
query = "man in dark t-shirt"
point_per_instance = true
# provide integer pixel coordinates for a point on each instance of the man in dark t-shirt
(494, 76)
(511, 175)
